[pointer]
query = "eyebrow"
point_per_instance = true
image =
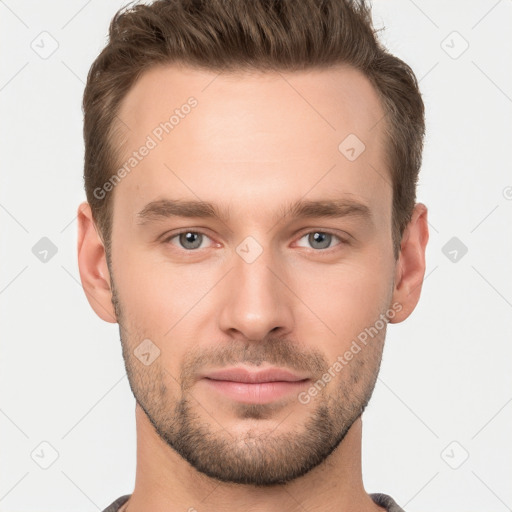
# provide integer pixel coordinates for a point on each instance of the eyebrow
(167, 208)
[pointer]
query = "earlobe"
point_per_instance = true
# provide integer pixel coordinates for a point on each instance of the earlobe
(92, 265)
(410, 267)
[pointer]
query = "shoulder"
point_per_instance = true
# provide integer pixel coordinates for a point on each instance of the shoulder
(385, 501)
(114, 506)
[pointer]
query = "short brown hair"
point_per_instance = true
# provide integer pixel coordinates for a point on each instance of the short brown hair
(264, 35)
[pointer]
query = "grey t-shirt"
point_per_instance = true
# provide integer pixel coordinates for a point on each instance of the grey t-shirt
(383, 500)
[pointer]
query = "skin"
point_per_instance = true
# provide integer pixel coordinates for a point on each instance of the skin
(253, 145)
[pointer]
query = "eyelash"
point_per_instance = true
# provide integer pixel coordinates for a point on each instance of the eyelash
(342, 241)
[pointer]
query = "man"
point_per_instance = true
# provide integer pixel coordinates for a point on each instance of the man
(251, 224)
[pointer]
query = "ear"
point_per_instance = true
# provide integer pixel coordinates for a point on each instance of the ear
(92, 264)
(410, 267)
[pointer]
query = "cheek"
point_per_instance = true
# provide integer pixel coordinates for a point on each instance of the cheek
(154, 306)
(158, 298)
(347, 298)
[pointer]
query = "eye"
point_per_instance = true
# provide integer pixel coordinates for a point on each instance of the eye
(319, 239)
(188, 240)
(191, 240)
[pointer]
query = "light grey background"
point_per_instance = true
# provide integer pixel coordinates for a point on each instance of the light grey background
(445, 387)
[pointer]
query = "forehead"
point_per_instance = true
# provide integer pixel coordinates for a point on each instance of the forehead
(252, 135)
(327, 101)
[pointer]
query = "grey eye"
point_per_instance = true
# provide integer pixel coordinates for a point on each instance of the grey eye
(190, 240)
(319, 240)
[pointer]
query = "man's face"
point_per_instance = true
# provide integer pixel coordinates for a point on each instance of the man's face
(256, 285)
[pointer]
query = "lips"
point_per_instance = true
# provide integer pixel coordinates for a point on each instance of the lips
(254, 377)
(254, 387)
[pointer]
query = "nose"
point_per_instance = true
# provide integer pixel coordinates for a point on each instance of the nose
(257, 302)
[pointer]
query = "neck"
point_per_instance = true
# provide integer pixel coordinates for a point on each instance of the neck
(164, 481)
